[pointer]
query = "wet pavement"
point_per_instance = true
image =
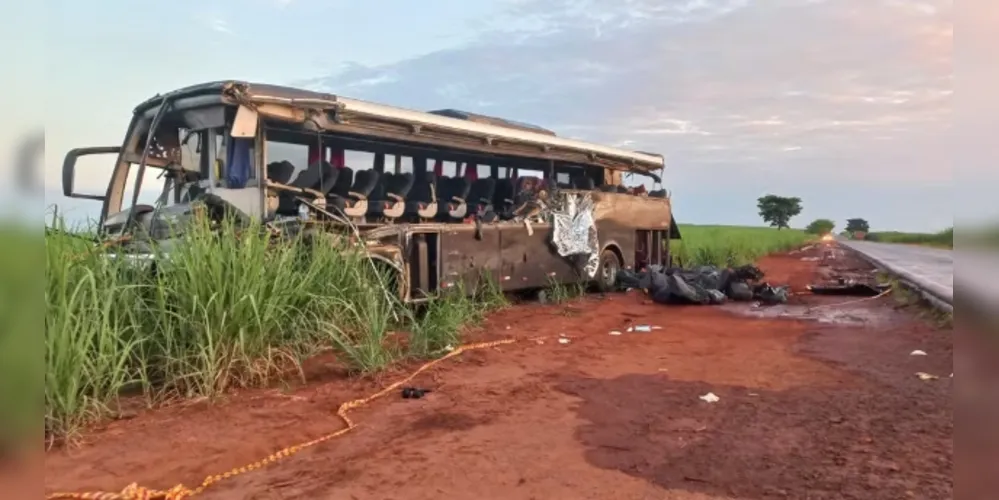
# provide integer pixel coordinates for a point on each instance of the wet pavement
(931, 269)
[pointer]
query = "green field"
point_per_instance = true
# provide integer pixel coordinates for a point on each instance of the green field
(229, 312)
(732, 245)
(943, 239)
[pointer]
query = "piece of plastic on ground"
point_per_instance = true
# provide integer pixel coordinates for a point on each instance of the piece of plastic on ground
(917, 352)
(926, 376)
(643, 328)
(563, 340)
(710, 398)
(614, 332)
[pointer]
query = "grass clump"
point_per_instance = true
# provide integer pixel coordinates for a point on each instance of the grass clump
(225, 307)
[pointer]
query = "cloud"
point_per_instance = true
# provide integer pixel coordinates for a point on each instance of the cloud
(215, 22)
(754, 96)
(220, 26)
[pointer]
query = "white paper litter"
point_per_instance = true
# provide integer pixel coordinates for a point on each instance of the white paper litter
(917, 352)
(615, 332)
(710, 398)
(926, 376)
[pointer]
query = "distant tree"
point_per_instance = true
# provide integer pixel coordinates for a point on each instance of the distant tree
(778, 210)
(857, 225)
(820, 226)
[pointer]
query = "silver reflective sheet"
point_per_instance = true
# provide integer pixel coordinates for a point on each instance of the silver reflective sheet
(574, 230)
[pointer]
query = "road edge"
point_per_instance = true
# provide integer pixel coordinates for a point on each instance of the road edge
(905, 280)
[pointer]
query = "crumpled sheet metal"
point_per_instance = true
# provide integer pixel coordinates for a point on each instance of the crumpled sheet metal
(574, 229)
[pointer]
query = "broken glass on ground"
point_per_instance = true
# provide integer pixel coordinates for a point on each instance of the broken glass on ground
(703, 285)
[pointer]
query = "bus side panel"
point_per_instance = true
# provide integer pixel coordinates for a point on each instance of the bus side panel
(529, 261)
(611, 232)
(465, 258)
(622, 218)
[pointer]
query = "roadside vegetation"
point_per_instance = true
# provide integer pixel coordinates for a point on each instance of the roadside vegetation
(820, 227)
(20, 346)
(229, 311)
(222, 312)
(942, 239)
(732, 245)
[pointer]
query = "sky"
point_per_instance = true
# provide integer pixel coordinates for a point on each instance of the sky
(847, 104)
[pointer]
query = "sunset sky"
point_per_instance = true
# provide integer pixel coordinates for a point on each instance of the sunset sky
(846, 104)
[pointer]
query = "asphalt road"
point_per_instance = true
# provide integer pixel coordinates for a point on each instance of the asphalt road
(931, 269)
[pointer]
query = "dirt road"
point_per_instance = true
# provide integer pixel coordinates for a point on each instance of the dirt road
(808, 409)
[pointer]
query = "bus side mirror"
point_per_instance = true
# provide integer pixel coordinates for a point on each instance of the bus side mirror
(69, 169)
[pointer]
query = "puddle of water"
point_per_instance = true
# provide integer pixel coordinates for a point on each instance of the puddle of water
(851, 316)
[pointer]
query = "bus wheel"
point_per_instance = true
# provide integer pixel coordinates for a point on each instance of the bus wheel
(607, 272)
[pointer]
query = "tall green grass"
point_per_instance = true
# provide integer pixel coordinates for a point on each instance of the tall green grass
(944, 239)
(724, 246)
(223, 309)
(229, 307)
(21, 312)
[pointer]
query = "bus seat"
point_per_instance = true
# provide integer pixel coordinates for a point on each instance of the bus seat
(310, 178)
(344, 179)
(457, 204)
(355, 204)
(280, 171)
(503, 199)
(583, 183)
(397, 188)
(422, 200)
(445, 185)
(377, 196)
(480, 196)
(329, 175)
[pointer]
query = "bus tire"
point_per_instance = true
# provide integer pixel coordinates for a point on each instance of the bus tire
(609, 265)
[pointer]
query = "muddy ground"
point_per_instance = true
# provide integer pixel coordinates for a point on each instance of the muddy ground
(813, 404)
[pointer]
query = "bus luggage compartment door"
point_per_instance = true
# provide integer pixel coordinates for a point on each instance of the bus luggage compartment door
(466, 258)
(529, 261)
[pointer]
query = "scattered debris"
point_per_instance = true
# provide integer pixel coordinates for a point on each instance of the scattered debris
(926, 376)
(643, 328)
(810, 259)
(850, 287)
(615, 332)
(710, 398)
(917, 352)
(449, 348)
(703, 285)
(563, 340)
(413, 392)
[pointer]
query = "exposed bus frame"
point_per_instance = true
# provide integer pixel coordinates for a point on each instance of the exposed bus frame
(395, 130)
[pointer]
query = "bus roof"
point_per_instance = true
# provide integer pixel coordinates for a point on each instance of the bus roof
(470, 127)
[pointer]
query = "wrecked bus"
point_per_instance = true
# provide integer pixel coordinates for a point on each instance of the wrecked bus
(441, 198)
